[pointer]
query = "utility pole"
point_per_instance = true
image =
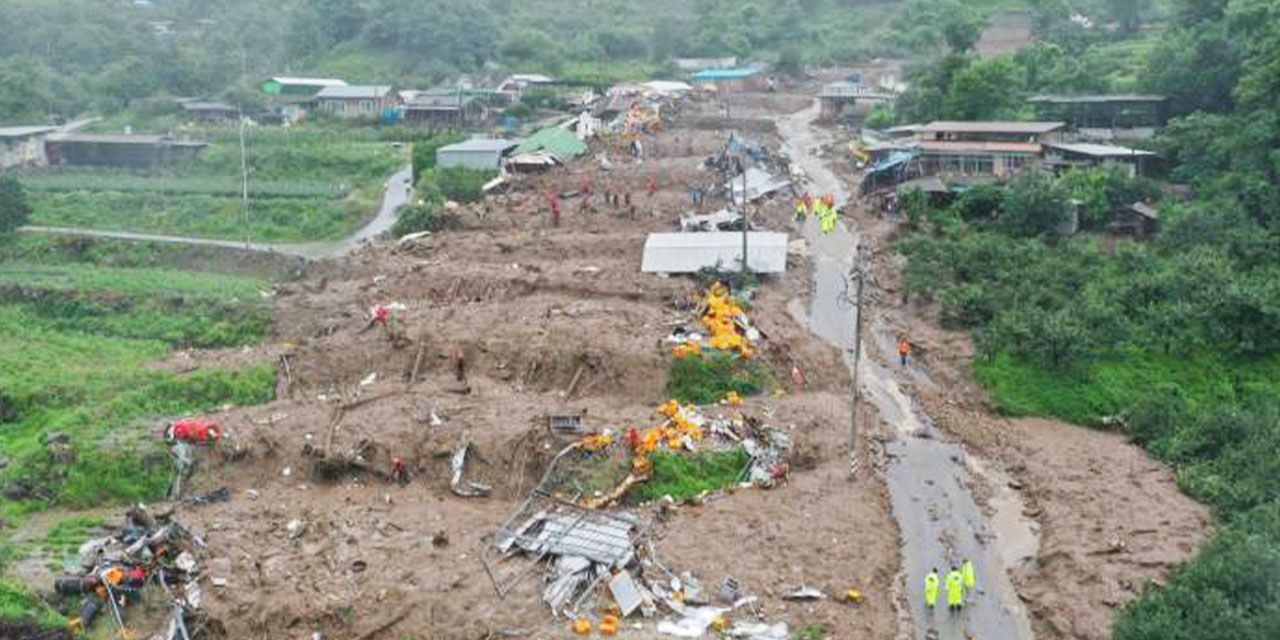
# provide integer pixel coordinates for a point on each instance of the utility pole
(244, 181)
(859, 276)
(745, 224)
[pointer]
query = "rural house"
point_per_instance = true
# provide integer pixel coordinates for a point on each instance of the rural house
(366, 102)
(449, 109)
(480, 153)
(748, 79)
(1000, 149)
(295, 98)
(23, 146)
(1105, 117)
(1061, 155)
(129, 151)
(209, 111)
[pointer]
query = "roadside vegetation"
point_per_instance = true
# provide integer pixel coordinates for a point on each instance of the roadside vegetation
(1175, 340)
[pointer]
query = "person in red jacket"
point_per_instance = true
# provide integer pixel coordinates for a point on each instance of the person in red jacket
(197, 430)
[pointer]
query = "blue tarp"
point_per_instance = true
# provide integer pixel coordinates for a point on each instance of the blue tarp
(725, 74)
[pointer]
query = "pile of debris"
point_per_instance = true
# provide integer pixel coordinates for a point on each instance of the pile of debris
(601, 568)
(750, 170)
(152, 555)
(728, 326)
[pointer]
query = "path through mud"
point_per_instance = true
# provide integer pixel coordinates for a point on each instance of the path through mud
(929, 477)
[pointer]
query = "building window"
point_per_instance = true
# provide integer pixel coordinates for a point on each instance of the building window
(366, 106)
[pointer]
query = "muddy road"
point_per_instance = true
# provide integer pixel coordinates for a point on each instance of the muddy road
(930, 479)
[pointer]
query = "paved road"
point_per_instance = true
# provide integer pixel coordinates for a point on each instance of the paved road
(395, 196)
(928, 476)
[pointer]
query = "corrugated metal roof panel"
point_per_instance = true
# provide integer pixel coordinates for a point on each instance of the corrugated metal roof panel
(943, 126)
(692, 252)
(354, 92)
(725, 74)
(482, 144)
(309, 82)
(961, 146)
(22, 132)
(1098, 98)
(1101, 150)
(562, 143)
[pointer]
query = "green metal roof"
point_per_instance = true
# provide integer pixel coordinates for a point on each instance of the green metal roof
(561, 143)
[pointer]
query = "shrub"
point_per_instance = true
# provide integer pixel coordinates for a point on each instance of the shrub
(709, 379)
(684, 476)
(461, 184)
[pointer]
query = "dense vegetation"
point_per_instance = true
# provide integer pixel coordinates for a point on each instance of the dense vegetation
(66, 57)
(1176, 339)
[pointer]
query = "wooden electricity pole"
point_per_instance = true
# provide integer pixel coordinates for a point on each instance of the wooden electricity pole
(859, 276)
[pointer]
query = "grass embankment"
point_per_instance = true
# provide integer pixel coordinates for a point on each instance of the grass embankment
(76, 344)
(683, 476)
(305, 185)
(1086, 393)
(707, 379)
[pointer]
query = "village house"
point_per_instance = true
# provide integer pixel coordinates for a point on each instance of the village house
(295, 98)
(999, 149)
(482, 154)
(447, 109)
(23, 146)
(365, 102)
(1105, 117)
(1061, 156)
(129, 151)
(748, 79)
(513, 88)
(209, 111)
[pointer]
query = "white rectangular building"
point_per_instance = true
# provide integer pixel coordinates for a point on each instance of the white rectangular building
(693, 252)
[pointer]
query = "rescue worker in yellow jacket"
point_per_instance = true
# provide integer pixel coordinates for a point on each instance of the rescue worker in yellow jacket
(955, 590)
(969, 574)
(931, 589)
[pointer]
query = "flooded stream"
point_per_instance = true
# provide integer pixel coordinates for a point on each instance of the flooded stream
(929, 477)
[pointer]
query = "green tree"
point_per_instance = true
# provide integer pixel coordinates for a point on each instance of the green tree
(986, 90)
(14, 208)
(1034, 204)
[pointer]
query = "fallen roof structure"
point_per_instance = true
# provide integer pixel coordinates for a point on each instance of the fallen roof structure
(693, 252)
(558, 141)
(718, 221)
(759, 183)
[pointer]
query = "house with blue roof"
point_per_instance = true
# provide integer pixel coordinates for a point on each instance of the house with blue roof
(740, 79)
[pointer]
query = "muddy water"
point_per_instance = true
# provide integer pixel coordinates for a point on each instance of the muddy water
(929, 477)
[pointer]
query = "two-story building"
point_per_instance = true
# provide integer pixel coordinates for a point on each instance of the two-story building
(999, 149)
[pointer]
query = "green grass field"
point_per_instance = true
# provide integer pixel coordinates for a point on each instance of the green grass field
(76, 345)
(306, 185)
(1112, 386)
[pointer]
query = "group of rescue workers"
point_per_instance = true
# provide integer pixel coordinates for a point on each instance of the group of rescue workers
(824, 208)
(959, 583)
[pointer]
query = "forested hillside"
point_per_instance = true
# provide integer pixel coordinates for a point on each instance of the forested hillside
(1176, 340)
(65, 57)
